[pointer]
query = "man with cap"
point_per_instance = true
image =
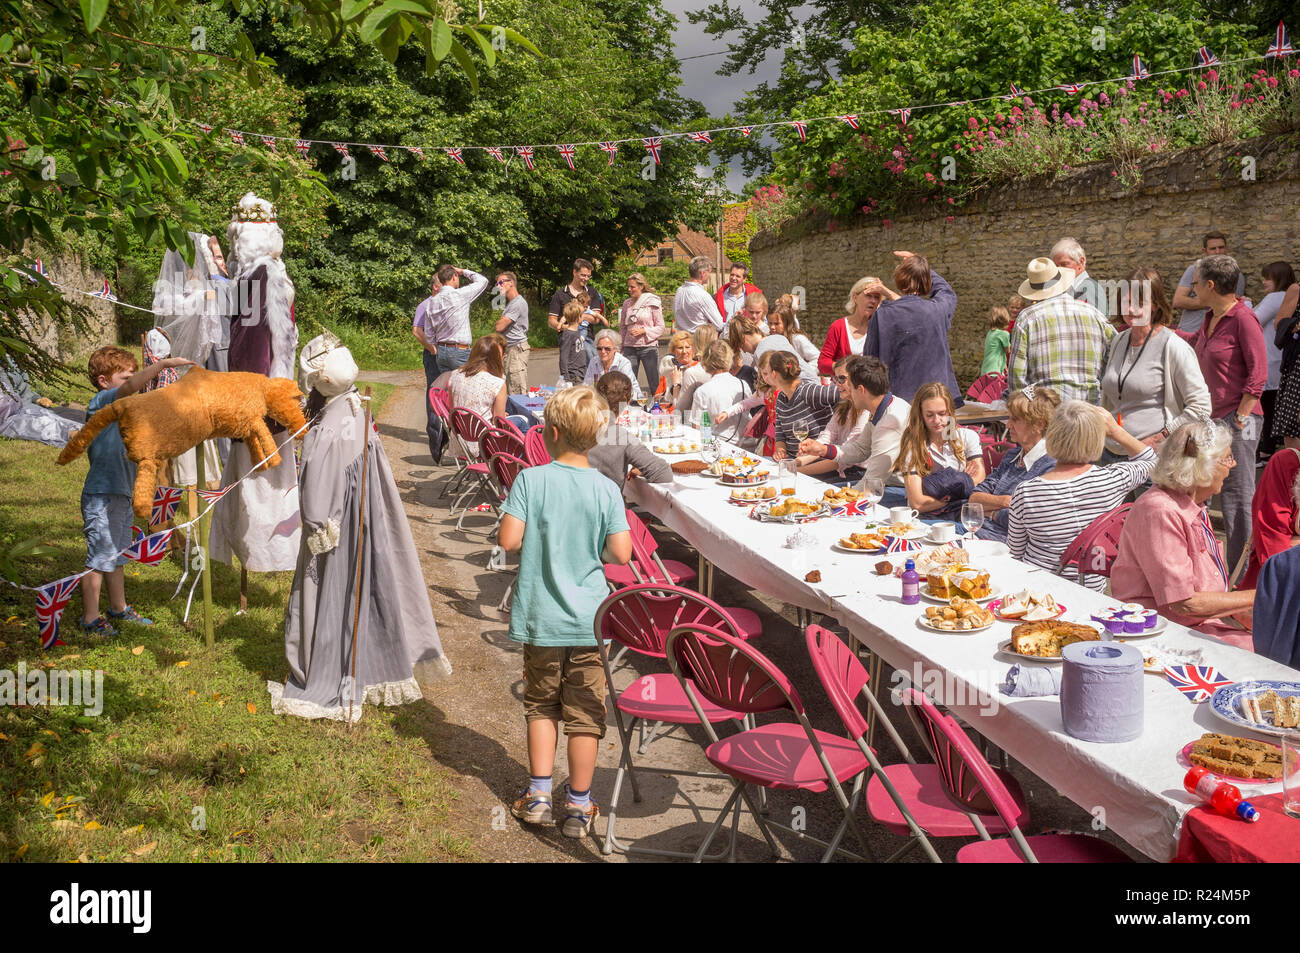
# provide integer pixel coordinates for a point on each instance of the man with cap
(1059, 340)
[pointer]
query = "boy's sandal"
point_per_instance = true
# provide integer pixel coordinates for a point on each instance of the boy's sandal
(100, 626)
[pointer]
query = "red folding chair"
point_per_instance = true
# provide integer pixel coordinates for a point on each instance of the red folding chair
(440, 401)
(505, 467)
(471, 428)
(1094, 550)
(639, 619)
(972, 785)
(717, 667)
(645, 564)
(535, 451)
(987, 388)
(497, 440)
(502, 422)
(994, 452)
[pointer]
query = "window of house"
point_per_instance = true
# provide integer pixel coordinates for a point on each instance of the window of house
(665, 255)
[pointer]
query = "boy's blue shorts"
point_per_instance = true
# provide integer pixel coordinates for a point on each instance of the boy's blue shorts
(106, 523)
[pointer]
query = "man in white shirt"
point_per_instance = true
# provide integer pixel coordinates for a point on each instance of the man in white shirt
(1215, 243)
(875, 448)
(428, 352)
(446, 319)
(692, 305)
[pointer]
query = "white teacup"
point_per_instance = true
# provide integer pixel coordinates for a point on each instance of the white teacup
(943, 532)
(902, 514)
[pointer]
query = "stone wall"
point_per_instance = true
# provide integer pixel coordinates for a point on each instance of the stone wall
(65, 344)
(983, 251)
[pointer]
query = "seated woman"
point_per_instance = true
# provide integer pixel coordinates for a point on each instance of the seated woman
(695, 375)
(722, 391)
(845, 424)
(480, 385)
(940, 462)
(679, 359)
(1275, 511)
(609, 359)
(1050, 511)
(802, 406)
(619, 454)
(1030, 411)
(764, 396)
(784, 322)
(746, 336)
(1169, 558)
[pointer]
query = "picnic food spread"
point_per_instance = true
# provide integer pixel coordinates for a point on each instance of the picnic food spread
(1030, 606)
(838, 496)
(1046, 639)
(1236, 757)
(1285, 709)
(689, 466)
(755, 493)
(793, 507)
(871, 541)
(969, 583)
(958, 614)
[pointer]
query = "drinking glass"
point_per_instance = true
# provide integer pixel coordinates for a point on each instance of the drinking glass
(972, 517)
(873, 491)
(786, 475)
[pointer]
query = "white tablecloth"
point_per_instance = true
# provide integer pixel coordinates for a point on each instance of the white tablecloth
(1134, 789)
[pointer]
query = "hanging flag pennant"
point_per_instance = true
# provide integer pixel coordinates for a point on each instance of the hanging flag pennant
(105, 292)
(495, 152)
(1197, 682)
(303, 146)
(851, 119)
(1016, 92)
(51, 599)
(1204, 58)
(526, 153)
(1281, 45)
(342, 149)
(611, 149)
(745, 131)
(1139, 71)
(150, 549)
(903, 114)
(378, 152)
(237, 136)
(1073, 89)
(416, 151)
(37, 268)
(269, 142)
(165, 501)
(211, 496)
(455, 155)
(206, 127)
(567, 152)
(653, 145)
(702, 137)
(801, 127)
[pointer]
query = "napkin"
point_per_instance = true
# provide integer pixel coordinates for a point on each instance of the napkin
(1197, 682)
(899, 544)
(1026, 681)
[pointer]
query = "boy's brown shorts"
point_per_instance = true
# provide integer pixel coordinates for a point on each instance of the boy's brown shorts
(565, 683)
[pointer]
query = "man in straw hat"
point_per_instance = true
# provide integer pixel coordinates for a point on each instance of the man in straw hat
(1058, 340)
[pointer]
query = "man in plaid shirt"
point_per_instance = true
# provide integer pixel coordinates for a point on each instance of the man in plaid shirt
(1058, 340)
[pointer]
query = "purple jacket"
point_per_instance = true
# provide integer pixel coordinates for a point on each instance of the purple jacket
(910, 336)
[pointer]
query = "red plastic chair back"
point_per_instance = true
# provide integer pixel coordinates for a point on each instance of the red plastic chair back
(502, 441)
(469, 426)
(641, 616)
(535, 451)
(644, 549)
(1094, 550)
(987, 388)
(505, 467)
(728, 672)
(994, 452)
(841, 674)
(508, 425)
(440, 400)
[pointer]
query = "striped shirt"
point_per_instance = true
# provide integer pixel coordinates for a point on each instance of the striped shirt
(810, 407)
(1048, 515)
(1061, 342)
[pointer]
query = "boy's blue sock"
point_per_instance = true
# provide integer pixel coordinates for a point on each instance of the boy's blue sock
(580, 798)
(539, 785)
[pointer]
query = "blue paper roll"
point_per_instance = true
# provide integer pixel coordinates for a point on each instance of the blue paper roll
(1101, 691)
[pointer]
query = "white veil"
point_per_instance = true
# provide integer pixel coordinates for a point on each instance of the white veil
(183, 308)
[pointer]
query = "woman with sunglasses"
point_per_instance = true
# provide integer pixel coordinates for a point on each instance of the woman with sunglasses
(609, 359)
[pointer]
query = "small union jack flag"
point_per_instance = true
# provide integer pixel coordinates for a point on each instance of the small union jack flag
(105, 292)
(495, 153)
(303, 146)
(455, 154)
(526, 153)
(37, 268)
(903, 114)
(567, 152)
(211, 496)
(852, 508)
(149, 549)
(1139, 71)
(51, 599)
(745, 131)
(341, 148)
(378, 152)
(165, 501)
(851, 119)
(1016, 92)
(415, 151)
(237, 136)
(1197, 682)
(206, 127)
(1204, 58)
(1073, 89)
(702, 137)
(269, 142)
(653, 145)
(900, 544)
(801, 127)
(1281, 45)
(611, 150)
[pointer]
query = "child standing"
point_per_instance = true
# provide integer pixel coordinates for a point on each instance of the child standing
(566, 520)
(106, 496)
(997, 341)
(573, 352)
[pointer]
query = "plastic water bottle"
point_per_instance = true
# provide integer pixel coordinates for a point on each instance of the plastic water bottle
(911, 584)
(706, 429)
(1223, 797)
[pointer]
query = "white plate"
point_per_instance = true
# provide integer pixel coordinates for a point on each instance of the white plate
(1226, 703)
(764, 516)
(924, 623)
(857, 552)
(726, 482)
(994, 592)
(1160, 626)
(662, 450)
(1006, 649)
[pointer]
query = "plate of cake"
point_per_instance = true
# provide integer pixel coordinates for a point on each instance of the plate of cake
(1244, 760)
(960, 582)
(1267, 706)
(956, 615)
(1043, 641)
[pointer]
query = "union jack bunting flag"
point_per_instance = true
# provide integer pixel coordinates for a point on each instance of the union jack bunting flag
(1204, 58)
(1197, 682)
(653, 145)
(51, 599)
(1139, 71)
(455, 154)
(853, 508)
(745, 131)
(903, 114)
(378, 152)
(37, 268)
(237, 136)
(165, 501)
(611, 150)
(1016, 92)
(495, 153)
(206, 127)
(567, 152)
(211, 496)
(851, 119)
(415, 151)
(899, 544)
(342, 149)
(701, 137)
(303, 146)
(150, 549)
(1281, 45)
(801, 127)
(269, 142)
(526, 153)
(1073, 89)
(105, 292)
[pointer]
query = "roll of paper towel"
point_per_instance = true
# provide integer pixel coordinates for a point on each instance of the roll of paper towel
(1101, 691)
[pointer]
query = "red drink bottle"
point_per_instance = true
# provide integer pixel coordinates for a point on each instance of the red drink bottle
(1225, 798)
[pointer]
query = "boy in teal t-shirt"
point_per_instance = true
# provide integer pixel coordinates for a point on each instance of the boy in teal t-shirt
(566, 520)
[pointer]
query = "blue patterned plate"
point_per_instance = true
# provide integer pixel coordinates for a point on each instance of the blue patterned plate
(1226, 703)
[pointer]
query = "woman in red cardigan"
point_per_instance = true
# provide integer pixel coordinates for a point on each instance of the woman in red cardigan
(1275, 512)
(849, 334)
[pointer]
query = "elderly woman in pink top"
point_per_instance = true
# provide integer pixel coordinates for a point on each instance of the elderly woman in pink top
(641, 323)
(1169, 558)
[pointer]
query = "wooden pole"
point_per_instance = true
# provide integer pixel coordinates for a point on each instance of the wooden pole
(205, 526)
(361, 538)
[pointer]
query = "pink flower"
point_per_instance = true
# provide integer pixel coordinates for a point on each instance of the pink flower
(1123, 121)
(1201, 86)
(972, 122)
(1113, 172)
(950, 202)
(1212, 75)
(1272, 82)
(886, 222)
(1104, 99)
(950, 219)
(1293, 74)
